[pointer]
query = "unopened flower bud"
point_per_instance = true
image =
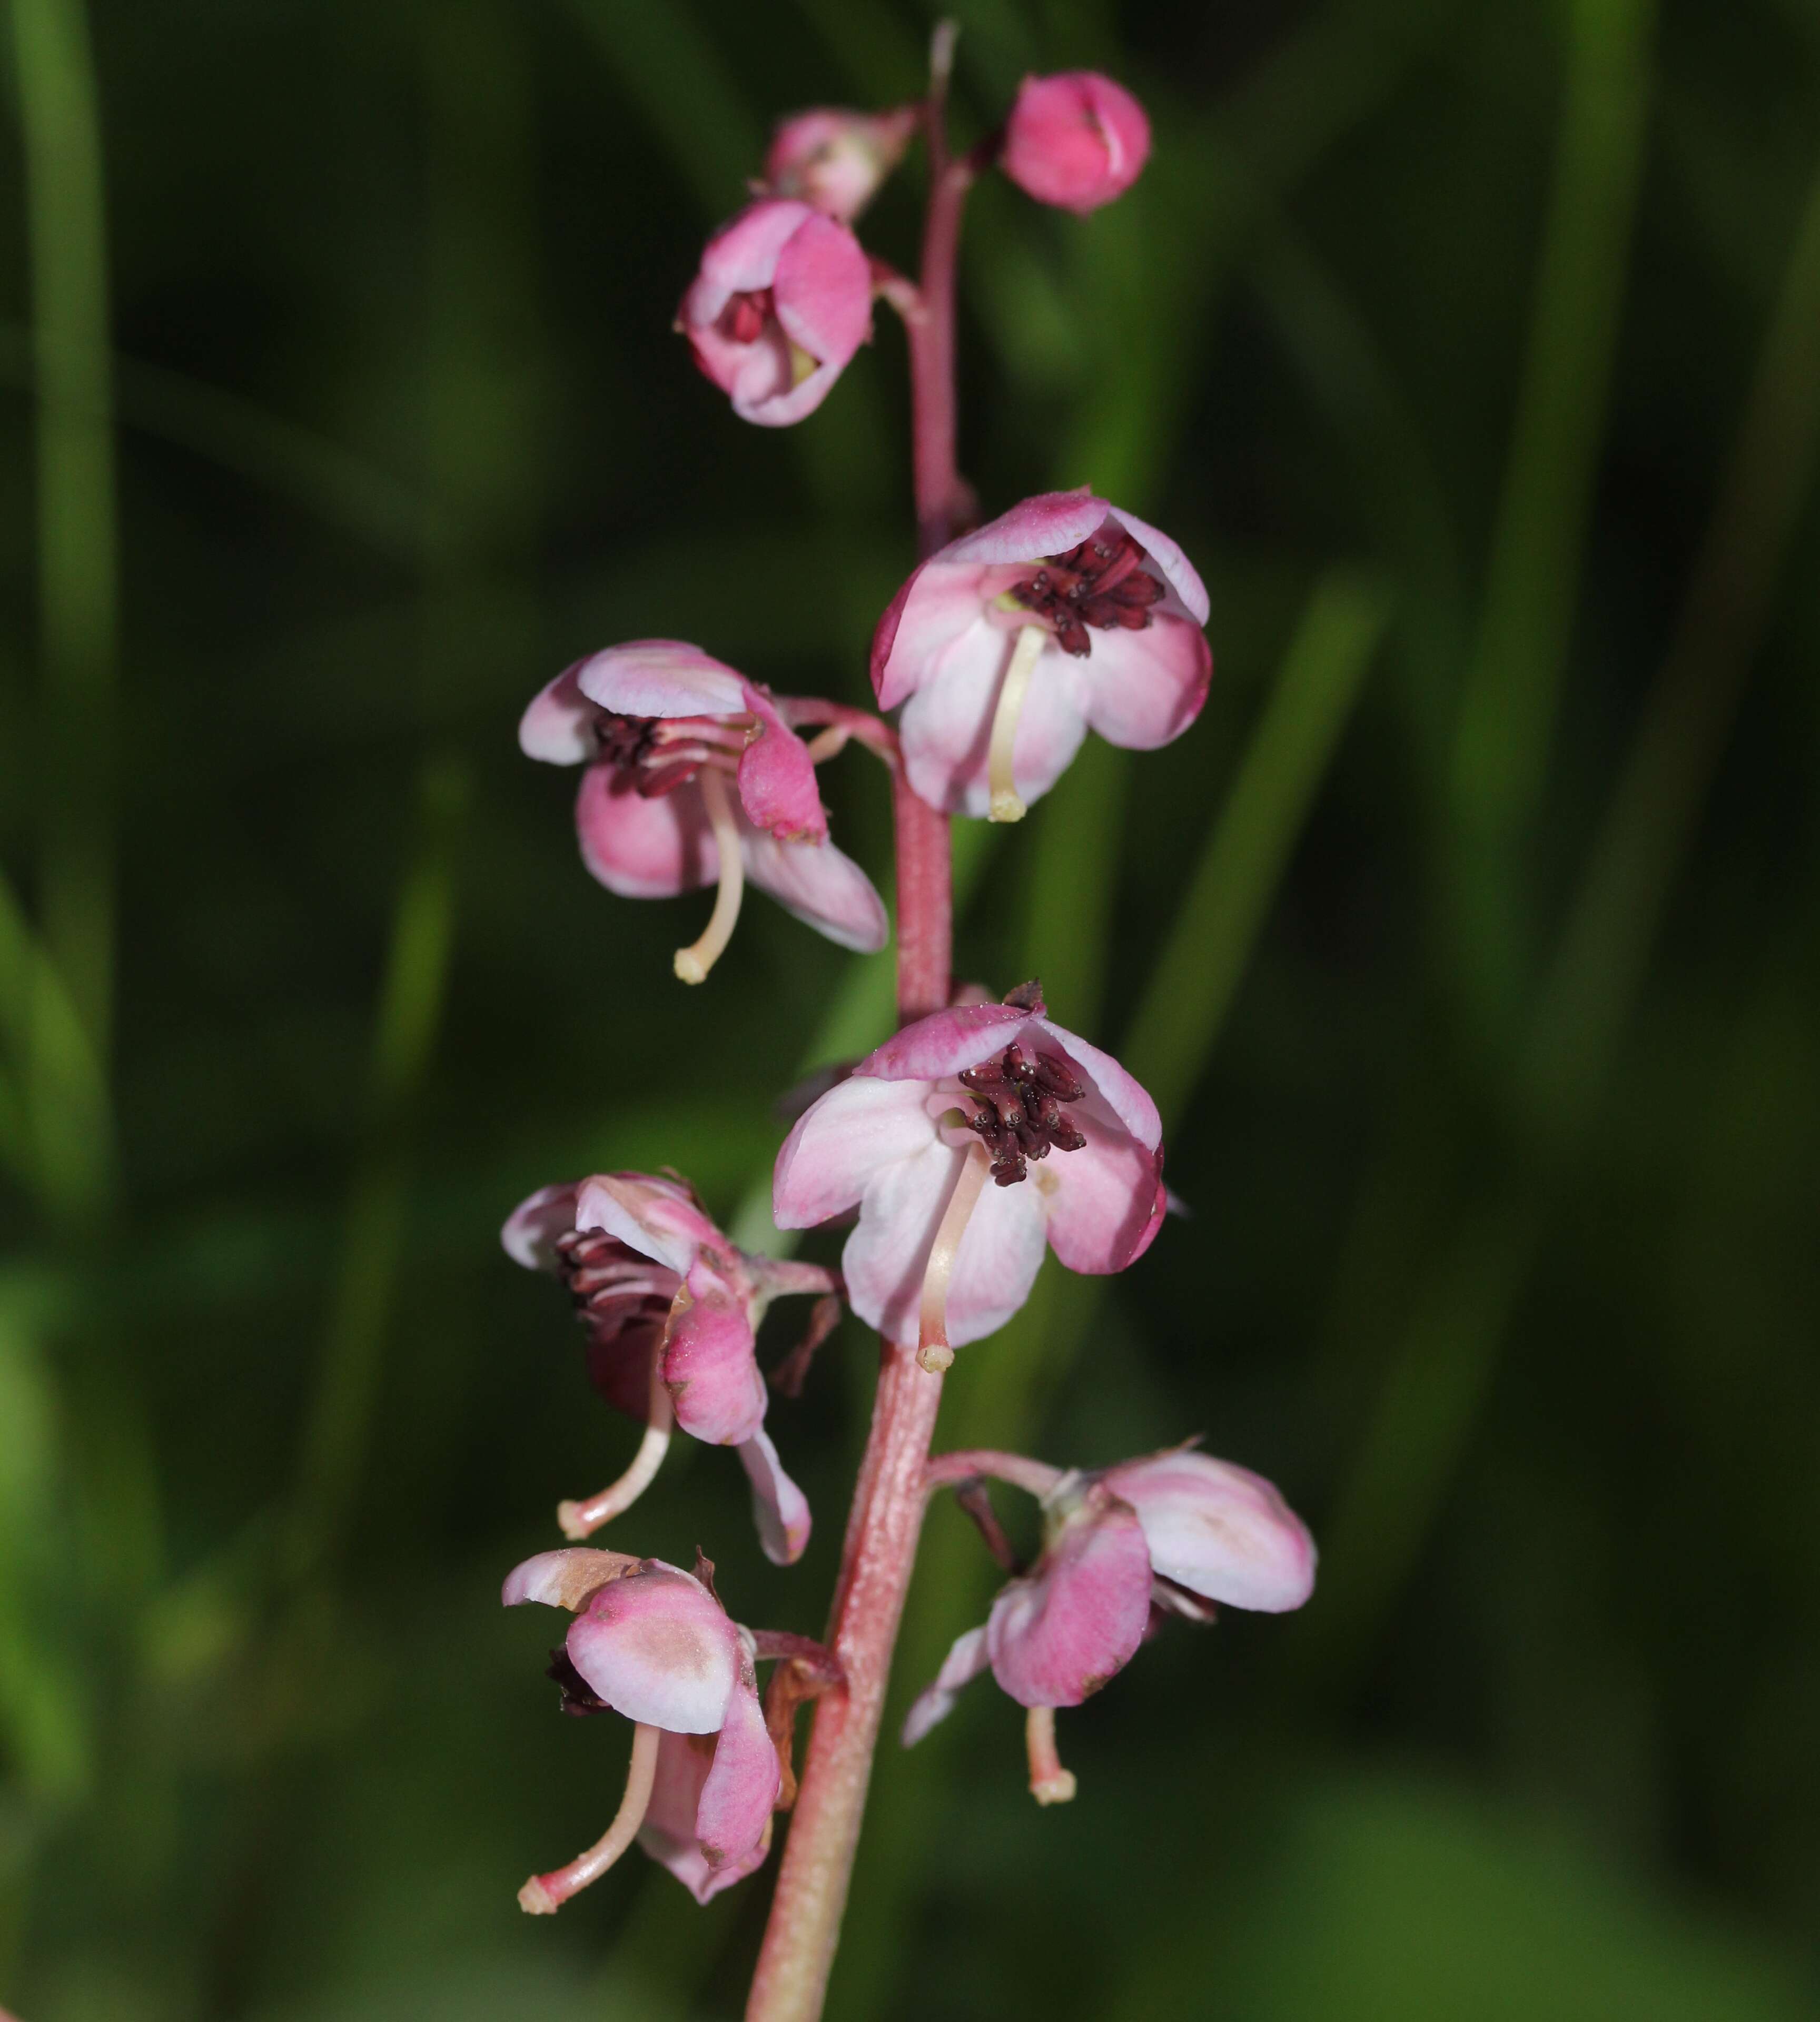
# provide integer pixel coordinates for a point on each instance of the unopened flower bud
(1075, 139)
(836, 160)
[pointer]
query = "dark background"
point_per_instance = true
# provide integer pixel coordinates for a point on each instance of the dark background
(1470, 941)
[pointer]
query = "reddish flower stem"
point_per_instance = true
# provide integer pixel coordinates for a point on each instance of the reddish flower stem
(886, 1516)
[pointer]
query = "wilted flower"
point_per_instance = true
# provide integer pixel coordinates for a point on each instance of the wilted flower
(1076, 140)
(1007, 647)
(653, 1643)
(985, 1090)
(783, 300)
(693, 777)
(672, 1308)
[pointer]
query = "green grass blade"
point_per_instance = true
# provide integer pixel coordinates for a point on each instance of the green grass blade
(337, 1431)
(1513, 687)
(77, 535)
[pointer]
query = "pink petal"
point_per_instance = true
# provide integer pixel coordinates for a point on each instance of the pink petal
(947, 724)
(566, 1578)
(1142, 689)
(654, 1216)
(886, 1255)
(559, 725)
(933, 611)
(823, 289)
(944, 1043)
(742, 256)
(777, 787)
(1105, 1202)
(780, 1508)
(1058, 1635)
(1177, 570)
(1050, 523)
(819, 885)
(668, 1833)
(657, 1646)
(1218, 1530)
(641, 849)
(662, 677)
(710, 1362)
(1123, 1093)
(734, 1814)
(778, 404)
(963, 1663)
(840, 1142)
(619, 1366)
(532, 1228)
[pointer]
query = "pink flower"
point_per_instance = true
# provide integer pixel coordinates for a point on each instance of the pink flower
(836, 160)
(1123, 1547)
(783, 300)
(671, 1308)
(662, 728)
(894, 1139)
(1063, 616)
(652, 1642)
(1076, 140)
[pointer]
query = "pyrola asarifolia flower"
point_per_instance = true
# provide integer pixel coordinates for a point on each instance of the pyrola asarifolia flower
(694, 778)
(653, 1642)
(671, 1308)
(836, 160)
(783, 300)
(986, 1090)
(1124, 1547)
(1007, 647)
(1076, 140)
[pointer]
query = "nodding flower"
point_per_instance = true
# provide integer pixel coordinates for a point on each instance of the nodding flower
(782, 300)
(1063, 616)
(694, 778)
(1075, 139)
(671, 1307)
(654, 1643)
(983, 1092)
(1124, 1547)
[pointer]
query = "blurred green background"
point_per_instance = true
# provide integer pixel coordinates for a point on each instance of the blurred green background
(1470, 943)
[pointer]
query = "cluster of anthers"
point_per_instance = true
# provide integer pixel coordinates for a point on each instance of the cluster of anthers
(1003, 648)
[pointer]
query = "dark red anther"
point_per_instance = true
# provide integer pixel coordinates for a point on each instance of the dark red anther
(1019, 1114)
(1102, 583)
(745, 316)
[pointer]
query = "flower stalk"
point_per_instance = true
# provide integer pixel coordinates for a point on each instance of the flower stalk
(886, 1517)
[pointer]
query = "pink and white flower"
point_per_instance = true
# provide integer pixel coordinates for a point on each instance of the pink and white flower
(1063, 616)
(984, 1090)
(1075, 139)
(672, 1308)
(693, 779)
(653, 1643)
(834, 158)
(1124, 1547)
(782, 300)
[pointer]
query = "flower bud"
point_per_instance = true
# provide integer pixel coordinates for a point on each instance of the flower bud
(835, 159)
(1076, 140)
